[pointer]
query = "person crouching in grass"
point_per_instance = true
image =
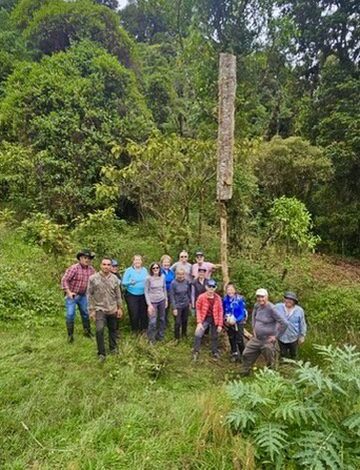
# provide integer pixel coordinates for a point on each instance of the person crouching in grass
(235, 316)
(209, 314)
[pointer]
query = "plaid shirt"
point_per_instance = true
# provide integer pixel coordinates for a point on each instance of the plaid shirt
(76, 278)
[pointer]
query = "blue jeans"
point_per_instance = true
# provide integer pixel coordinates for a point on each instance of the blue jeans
(70, 305)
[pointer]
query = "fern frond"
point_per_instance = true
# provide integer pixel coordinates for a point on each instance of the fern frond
(241, 419)
(271, 439)
(312, 375)
(297, 412)
(353, 423)
(249, 394)
(319, 449)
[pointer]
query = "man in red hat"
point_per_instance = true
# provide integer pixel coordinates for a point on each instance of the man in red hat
(74, 284)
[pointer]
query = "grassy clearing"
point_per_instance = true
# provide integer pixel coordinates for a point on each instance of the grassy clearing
(145, 409)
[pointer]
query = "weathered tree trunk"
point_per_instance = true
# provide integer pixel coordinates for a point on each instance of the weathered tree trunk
(227, 91)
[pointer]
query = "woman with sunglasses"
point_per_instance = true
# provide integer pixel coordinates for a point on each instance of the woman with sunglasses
(156, 299)
(184, 264)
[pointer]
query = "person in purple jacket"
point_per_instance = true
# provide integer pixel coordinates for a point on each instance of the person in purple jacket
(235, 316)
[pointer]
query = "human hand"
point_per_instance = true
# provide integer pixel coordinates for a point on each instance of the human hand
(219, 329)
(92, 314)
(119, 312)
(272, 339)
(175, 312)
(151, 310)
(301, 339)
(70, 294)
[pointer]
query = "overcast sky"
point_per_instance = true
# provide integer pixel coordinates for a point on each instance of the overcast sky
(122, 3)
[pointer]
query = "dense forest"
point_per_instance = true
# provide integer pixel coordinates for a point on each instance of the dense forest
(116, 110)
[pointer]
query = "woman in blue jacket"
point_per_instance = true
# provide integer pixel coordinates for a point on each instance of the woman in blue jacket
(235, 316)
(134, 282)
(296, 331)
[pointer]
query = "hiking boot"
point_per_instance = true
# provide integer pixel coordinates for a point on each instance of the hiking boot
(216, 356)
(102, 358)
(235, 357)
(195, 356)
(87, 328)
(70, 331)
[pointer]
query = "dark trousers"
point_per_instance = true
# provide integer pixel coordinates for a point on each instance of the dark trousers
(288, 350)
(236, 338)
(181, 321)
(199, 333)
(167, 315)
(137, 312)
(101, 321)
(254, 348)
(155, 332)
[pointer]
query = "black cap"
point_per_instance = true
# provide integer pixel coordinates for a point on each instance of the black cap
(199, 253)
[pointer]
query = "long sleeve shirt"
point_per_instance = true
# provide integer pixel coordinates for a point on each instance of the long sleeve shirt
(180, 293)
(267, 321)
(197, 288)
(155, 289)
(187, 267)
(76, 278)
(104, 293)
(297, 324)
(206, 265)
(134, 280)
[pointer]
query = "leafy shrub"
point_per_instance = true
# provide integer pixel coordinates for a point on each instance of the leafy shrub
(335, 310)
(249, 276)
(310, 420)
(24, 298)
(51, 236)
(106, 234)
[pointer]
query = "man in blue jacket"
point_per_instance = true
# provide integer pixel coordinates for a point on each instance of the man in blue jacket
(295, 333)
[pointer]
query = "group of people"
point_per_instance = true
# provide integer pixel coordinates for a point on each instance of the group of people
(178, 289)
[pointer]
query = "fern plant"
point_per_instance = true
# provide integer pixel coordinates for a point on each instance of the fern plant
(308, 420)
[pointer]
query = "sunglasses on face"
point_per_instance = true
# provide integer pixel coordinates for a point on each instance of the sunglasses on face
(183, 256)
(155, 267)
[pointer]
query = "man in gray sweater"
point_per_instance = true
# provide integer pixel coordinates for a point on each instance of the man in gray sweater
(267, 323)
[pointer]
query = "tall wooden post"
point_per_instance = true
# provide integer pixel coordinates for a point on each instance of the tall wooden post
(225, 149)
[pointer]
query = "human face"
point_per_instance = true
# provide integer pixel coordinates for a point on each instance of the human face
(180, 276)
(201, 274)
(156, 270)
(230, 290)
(184, 257)
(85, 260)
(114, 269)
(137, 262)
(289, 303)
(166, 264)
(210, 291)
(261, 299)
(105, 266)
(200, 259)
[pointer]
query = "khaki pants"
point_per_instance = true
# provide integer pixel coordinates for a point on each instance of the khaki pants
(254, 348)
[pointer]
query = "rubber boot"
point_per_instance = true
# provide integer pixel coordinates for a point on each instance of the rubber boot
(87, 328)
(70, 331)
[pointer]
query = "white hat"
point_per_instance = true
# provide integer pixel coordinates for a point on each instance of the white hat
(262, 293)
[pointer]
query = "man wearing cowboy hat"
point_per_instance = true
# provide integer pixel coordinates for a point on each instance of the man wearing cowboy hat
(296, 331)
(74, 284)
